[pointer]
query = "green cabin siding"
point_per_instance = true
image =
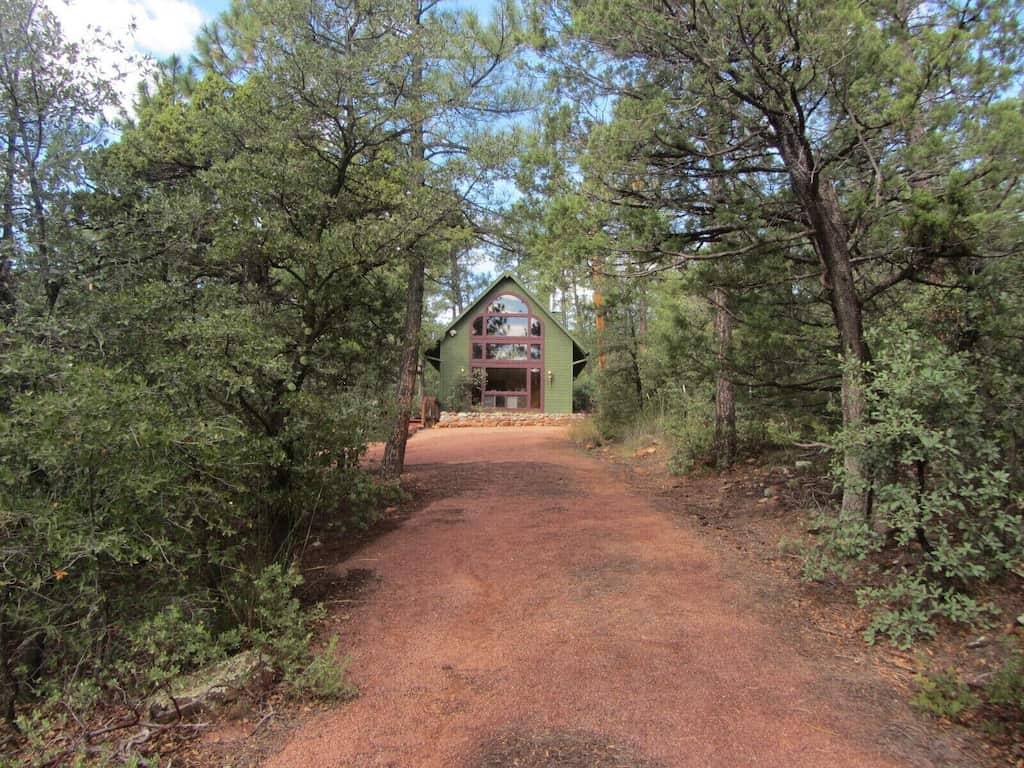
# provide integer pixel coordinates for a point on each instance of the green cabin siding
(558, 350)
(454, 357)
(558, 360)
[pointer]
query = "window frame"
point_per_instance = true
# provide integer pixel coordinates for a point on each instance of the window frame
(527, 364)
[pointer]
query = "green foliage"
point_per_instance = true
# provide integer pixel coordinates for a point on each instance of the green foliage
(941, 493)
(1000, 700)
(691, 429)
(620, 395)
(273, 622)
(325, 675)
(944, 695)
(583, 393)
(272, 617)
(585, 433)
(910, 608)
(618, 405)
(1006, 688)
(841, 539)
(460, 396)
(197, 390)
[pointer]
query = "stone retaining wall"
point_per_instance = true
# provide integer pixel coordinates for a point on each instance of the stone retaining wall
(451, 420)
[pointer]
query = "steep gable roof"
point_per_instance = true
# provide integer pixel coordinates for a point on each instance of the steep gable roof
(579, 354)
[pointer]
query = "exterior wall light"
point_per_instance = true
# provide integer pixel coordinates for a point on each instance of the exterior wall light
(452, 332)
(551, 377)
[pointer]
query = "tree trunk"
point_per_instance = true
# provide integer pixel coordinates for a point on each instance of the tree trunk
(7, 242)
(634, 363)
(8, 682)
(458, 300)
(829, 237)
(394, 451)
(51, 285)
(599, 311)
(725, 400)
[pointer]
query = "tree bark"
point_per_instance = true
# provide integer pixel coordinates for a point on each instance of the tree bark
(599, 312)
(725, 400)
(7, 242)
(458, 300)
(393, 461)
(830, 239)
(394, 451)
(8, 702)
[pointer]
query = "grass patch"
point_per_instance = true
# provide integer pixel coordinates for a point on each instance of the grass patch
(585, 433)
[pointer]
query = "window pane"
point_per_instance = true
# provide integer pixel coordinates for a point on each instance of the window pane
(515, 401)
(489, 401)
(506, 379)
(506, 351)
(478, 351)
(508, 303)
(535, 351)
(534, 326)
(478, 326)
(507, 326)
(535, 387)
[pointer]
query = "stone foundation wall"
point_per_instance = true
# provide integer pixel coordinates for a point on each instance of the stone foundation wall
(451, 420)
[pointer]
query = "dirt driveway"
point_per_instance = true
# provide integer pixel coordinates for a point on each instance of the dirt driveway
(539, 612)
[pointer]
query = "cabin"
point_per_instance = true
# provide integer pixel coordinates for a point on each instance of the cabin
(506, 352)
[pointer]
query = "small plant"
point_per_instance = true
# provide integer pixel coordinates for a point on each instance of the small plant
(945, 695)
(585, 433)
(788, 546)
(325, 677)
(1007, 686)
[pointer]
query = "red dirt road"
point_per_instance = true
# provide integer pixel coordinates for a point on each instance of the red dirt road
(539, 610)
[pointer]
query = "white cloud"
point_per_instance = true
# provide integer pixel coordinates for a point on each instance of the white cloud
(145, 28)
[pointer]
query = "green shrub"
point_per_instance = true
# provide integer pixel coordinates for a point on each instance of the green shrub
(583, 394)
(945, 695)
(326, 675)
(1007, 686)
(585, 432)
(941, 493)
(910, 607)
(135, 525)
(691, 429)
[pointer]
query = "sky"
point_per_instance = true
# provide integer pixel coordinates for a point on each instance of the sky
(161, 27)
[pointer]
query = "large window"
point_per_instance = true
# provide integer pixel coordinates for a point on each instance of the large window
(506, 343)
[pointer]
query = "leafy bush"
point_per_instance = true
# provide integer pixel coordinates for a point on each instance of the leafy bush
(136, 526)
(691, 428)
(1007, 686)
(945, 695)
(1000, 701)
(940, 491)
(583, 393)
